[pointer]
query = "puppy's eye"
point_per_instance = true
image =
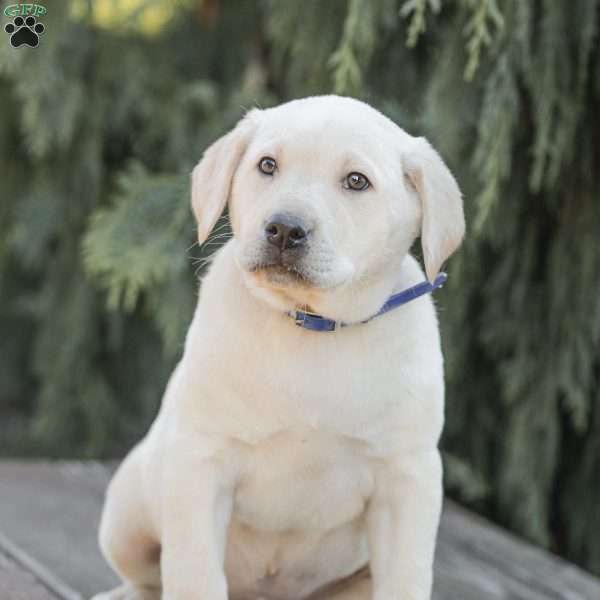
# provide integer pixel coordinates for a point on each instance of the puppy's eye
(267, 165)
(356, 181)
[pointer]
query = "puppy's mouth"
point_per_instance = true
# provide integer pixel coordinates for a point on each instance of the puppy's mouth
(281, 274)
(301, 269)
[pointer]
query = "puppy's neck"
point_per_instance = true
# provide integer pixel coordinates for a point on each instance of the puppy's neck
(351, 303)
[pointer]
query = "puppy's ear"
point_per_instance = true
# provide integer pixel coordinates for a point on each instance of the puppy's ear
(443, 221)
(212, 176)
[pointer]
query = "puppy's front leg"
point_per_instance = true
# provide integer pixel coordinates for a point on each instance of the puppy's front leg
(197, 503)
(402, 523)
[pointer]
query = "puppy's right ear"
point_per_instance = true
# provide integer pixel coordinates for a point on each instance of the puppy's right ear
(212, 176)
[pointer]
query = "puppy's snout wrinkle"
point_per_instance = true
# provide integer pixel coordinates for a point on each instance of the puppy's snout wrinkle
(286, 231)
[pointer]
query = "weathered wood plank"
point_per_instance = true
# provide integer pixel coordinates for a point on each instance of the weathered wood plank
(17, 583)
(51, 510)
(518, 568)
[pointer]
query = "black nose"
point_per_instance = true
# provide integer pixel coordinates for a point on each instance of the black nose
(286, 232)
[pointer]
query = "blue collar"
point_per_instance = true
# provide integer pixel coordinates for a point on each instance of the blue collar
(315, 322)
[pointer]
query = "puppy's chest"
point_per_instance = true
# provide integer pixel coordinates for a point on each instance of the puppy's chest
(303, 480)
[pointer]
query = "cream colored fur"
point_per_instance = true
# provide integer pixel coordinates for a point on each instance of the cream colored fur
(283, 461)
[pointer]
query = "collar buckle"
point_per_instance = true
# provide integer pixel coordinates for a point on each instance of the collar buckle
(314, 321)
(299, 318)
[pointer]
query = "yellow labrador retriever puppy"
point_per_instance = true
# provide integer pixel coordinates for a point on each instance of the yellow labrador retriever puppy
(295, 454)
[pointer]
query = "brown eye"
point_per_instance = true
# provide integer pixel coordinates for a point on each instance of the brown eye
(267, 165)
(356, 181)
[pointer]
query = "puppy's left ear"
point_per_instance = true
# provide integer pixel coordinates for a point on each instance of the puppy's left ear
(213, 175)
(443, 221)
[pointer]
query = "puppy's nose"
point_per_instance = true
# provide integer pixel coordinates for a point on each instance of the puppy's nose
(286, 232)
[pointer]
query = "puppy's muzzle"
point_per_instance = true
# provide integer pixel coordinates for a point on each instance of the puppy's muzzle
(286, 232)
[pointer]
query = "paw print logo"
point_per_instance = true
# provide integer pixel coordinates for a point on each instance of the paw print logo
(24, 32)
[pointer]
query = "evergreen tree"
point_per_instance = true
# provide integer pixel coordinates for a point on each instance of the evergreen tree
(102, 123)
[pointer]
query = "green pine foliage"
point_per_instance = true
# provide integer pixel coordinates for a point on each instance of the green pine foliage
(100, 128)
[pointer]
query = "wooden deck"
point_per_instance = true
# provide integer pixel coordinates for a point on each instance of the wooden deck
(49, 515)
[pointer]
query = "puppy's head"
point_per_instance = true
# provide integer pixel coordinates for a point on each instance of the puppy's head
(324, 192)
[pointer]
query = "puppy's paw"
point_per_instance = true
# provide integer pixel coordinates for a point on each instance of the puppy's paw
(129, 592)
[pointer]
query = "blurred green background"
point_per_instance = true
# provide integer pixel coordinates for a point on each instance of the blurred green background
(99, 129)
